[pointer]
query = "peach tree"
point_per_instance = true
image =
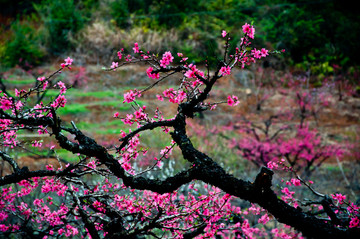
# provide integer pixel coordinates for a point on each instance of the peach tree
(103, 194)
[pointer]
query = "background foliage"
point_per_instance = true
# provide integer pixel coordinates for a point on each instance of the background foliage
(313, 32)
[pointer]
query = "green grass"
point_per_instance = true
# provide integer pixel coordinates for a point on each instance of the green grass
(13, 81)
(73, 109)
(110, 99)
(67, 156)
(334, 168)
(85, 125)
(106, 127)
(36, 152)
(76, 108)
(118, 94)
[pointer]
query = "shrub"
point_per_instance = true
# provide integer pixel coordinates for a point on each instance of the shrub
(24, 48)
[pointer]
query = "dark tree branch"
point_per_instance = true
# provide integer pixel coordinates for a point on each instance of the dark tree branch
(148, 126)
(195, 233)
(10, 160)
(88, 224)
(24, 173)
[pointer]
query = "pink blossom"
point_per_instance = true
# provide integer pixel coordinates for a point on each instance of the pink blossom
(264, 52)
(5, 103)
(159, 164)
(152, 75)
(193, 72)
(114, 65)
(295, 182)
(3, 228)
(61, 190)
(264, 219)
(170, 93)
(128, 120)
(139, 114)
(41, 78)
(256, 53)
(68, 61)
(18, 105)
(37, 144)
(339, 197)
(355, 222)
(119, 54)
(126, 166)
(249, 30)
(92, 164)
(233, 100)
(61, 84)
(71, 231)
(3, 216)
(159, 97)
(37, 202)
(128, 58)
(136, 48)
(61, 231)
(287, 192)
(272, 165)
(59, 102)
(129, 97)
(116, 115)
(49, 167)
(223, 33)
(225, 70)
(45, 84)
(17, 93)
(62, 87)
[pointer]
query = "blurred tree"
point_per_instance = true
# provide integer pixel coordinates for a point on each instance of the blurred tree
(61, 18)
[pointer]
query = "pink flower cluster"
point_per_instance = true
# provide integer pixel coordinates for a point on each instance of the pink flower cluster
(233, 100)
(193, 72)
(167, 58)
(259, 53)
(130, 96)
(289, 196)
(152, 75)
(114, 65)
(354, 222)
(6, 103)
(225, 70)
(174, 96)
(136, 48)
(60, 101)
(339, 198)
